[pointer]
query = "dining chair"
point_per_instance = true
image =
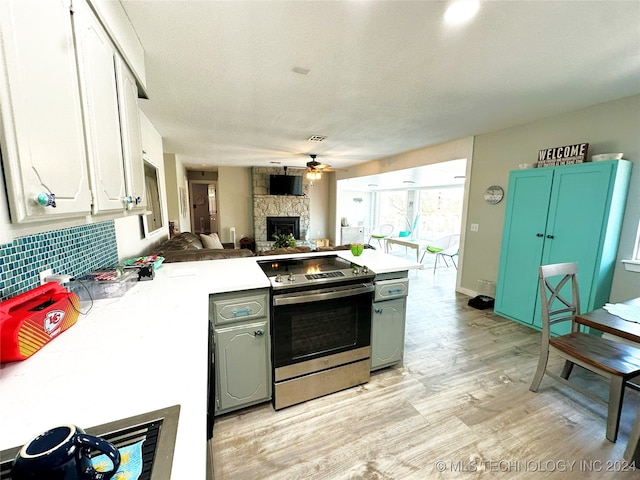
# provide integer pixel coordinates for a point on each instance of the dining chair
(615, 361)
(443, 247)
(381, 232)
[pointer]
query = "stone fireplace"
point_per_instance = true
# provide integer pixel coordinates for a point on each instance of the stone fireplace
(279, 206)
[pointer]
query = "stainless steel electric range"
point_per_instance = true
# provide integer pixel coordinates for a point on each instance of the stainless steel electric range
(320, 326)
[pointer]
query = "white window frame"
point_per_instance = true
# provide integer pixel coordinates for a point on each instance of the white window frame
(633, 265)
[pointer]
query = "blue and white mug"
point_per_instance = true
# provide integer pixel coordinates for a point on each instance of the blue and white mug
(62, 453)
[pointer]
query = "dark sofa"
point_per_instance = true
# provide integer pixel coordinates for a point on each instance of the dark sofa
(187, 247)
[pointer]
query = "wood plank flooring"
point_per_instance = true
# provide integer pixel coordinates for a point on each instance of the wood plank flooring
(459, 407)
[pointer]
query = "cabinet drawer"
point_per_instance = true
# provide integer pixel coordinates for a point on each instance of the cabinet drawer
(238, 309)
(388, 289)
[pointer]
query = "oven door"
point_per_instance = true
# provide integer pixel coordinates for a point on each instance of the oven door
(315, 323)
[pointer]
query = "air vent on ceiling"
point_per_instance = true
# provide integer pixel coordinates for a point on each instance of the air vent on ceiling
(316, 138)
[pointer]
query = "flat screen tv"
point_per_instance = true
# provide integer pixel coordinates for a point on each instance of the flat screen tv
(285, 185)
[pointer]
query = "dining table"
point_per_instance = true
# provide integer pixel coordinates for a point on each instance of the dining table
(629, 329)
(406, 242)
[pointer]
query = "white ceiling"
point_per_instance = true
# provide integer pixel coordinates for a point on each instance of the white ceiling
(385, 77)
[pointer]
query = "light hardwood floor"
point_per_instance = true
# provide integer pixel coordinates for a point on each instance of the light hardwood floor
(459, 407)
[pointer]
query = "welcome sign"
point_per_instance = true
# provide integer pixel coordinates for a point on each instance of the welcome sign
(567, 155)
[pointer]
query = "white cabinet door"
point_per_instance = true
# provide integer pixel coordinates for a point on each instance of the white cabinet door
(97, 65)
(43, 148)
(131, 136)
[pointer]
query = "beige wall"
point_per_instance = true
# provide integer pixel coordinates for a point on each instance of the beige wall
(176, 181)
(235, 202)
(608, 127)
(319, 207)
(171, 185)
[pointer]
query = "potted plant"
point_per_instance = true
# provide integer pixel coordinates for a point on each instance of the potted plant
(283, 240)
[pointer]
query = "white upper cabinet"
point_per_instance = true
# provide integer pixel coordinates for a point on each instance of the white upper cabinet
(131, 136)
(97, 65)
(43, 147)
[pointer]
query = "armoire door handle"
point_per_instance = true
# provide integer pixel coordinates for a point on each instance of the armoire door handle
(550, 236)
(539, 234)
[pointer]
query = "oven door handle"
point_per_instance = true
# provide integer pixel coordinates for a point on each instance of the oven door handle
(319, 295)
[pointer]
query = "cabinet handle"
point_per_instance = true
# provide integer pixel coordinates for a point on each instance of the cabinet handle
(391, 292)
(377, 310)
(246, 311)
(130, 201)
(45, 199)
(550, 236)
(258, 333)
(539, 234)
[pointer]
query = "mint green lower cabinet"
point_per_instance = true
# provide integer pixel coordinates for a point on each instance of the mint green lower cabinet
(241, 349)
(569, 213)
(387, 332)
(242, 358)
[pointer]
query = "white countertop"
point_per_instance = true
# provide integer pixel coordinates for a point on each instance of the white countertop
(141, 352)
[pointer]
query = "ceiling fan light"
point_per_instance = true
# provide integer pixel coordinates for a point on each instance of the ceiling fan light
(313, 175)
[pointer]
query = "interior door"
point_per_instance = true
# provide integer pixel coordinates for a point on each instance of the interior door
(522, 243)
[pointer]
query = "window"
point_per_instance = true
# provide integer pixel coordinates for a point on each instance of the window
(633, 265)
(392, 206)
(439, 212)
(152, 219)
(636, 250)
(427, 214)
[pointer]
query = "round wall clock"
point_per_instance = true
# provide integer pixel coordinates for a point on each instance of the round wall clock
(493, 194)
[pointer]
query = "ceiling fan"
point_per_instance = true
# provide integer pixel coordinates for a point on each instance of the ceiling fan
(315, 168)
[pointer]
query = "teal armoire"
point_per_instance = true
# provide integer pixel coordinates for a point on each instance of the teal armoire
(570, 213)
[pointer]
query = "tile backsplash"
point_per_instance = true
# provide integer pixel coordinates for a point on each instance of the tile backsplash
(71, 251)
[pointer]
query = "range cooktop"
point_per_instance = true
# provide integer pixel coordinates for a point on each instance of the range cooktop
(309, 271)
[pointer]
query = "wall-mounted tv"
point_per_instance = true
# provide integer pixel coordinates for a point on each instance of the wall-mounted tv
(285, 185)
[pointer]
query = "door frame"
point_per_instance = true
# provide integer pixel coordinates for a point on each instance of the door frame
(192, 199)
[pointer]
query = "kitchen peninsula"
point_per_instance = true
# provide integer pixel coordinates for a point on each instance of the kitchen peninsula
(138, 353)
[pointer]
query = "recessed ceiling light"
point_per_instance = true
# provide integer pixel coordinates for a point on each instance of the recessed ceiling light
(461, 10)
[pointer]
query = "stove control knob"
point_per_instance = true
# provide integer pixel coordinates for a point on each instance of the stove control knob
(365, 269)
(291, 278)
(356, 271)
(278, 278)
